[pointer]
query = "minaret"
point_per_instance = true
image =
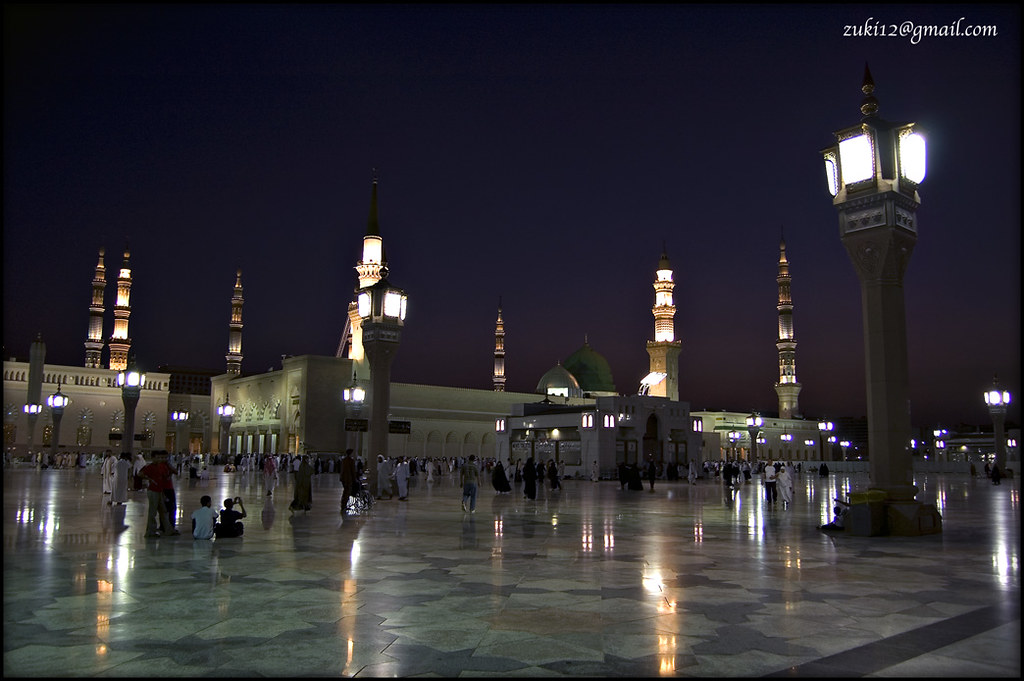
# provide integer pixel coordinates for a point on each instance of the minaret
(787, 387)
(664, 349)
(234, 356)
(499, 353)
(119, 342)
(94, 341)
(370, 268)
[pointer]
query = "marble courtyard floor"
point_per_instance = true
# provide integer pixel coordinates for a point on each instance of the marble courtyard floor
(588, 581)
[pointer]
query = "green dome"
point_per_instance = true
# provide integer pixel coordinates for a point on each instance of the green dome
(558, 381)
(591, 370)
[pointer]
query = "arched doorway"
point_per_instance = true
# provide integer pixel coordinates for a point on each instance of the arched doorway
(652, 450)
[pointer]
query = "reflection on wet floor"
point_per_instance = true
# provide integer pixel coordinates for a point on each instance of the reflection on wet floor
(592, 580)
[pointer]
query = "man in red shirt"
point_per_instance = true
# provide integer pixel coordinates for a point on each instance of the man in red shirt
(158, 476)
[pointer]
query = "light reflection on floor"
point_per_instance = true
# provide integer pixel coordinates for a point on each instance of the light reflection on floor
(591, 580)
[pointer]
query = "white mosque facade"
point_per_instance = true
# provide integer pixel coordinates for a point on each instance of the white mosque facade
(577, 416)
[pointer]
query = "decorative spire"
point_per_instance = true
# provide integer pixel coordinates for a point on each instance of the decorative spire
(498, 377)
(787, 388)
(94, 337)
(372, 225)
(869, 105)
(234, 356)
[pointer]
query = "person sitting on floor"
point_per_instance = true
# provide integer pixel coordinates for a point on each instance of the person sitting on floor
(230, 524)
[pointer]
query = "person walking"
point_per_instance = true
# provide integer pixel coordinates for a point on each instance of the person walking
(349, 480)
(303, 498)
(384, 476)
(107, 472)
(530, 479)
(270, 473)
(771, 478)
(500, 480)
(785, 486)
(402, 478)
(652, 472)
(469, 476)
(692, 475)
(122, 475)
(553, 475)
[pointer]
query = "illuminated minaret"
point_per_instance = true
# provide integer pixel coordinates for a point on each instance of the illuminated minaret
(499, 353)
(664, 349)
(94, 341)
(119, 342)
(787, 387)
(234, 356)
(370, 268)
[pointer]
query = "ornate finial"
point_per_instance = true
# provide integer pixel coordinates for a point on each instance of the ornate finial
(375, 176)
(782, 238)
(869, 105)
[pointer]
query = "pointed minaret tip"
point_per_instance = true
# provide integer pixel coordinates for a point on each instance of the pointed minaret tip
(372, 223)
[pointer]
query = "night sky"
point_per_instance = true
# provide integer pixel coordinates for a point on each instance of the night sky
(539, 154)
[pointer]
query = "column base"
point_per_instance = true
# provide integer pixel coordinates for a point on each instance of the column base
(891, 512)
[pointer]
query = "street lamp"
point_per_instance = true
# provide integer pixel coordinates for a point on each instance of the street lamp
(754, 423)
(382, 308)
(354, 396)
(873, 173)
(226, 411)
(997, 400)
(130, 381)
(938, 435)
(734, 438)
(786, 438)
(844, 444)
(180, 418)
(56, 402)
(825, 427)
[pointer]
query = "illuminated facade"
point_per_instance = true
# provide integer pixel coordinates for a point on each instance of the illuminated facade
(120, 343)
(94, 339)
(788, 389)
(663, 379)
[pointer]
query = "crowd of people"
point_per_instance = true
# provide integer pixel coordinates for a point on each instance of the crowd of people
(156, 475)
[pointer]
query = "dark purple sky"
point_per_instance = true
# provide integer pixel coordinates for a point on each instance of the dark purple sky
(541, 154)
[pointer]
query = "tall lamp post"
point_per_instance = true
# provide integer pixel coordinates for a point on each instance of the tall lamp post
(130, 381)
(354, 396)
(873, 173)
(998, 400)
(180, 418)
(754, 423)
(56, 402)
(226, 411)
(786, 438)
(382, 308)
(33, 403)
(825, 427)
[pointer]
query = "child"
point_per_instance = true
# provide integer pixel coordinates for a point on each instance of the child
(230, 525)
(204, 519)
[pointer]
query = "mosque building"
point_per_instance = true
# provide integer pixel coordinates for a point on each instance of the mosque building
(576, 416)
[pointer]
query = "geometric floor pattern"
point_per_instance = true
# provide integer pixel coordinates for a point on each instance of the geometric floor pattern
(590, 580)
